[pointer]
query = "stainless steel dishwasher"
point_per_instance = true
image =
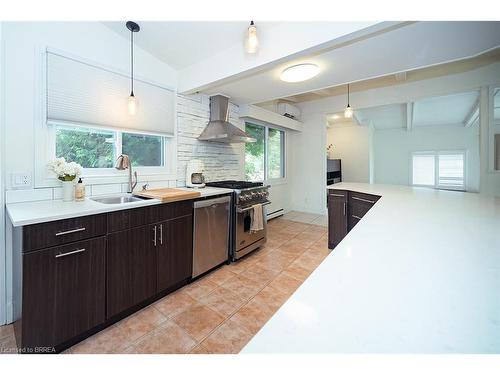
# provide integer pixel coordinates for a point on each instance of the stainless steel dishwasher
(211, 234)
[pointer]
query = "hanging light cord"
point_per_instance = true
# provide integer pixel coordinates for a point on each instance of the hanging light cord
(348, 95)
(132, 62)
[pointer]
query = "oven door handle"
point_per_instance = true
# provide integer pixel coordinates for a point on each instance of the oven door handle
(240, 210)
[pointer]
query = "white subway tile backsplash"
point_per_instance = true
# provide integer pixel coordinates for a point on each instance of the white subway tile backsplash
(28, 195)
(106, 189)
(58, 192)
(222, 161)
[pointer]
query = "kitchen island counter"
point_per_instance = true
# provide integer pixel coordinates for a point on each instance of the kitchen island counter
(420, 273)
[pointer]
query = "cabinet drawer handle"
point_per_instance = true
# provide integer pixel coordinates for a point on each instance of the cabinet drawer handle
(154, 235)
(345, 204)
(60, 255)
(363, 200)
(161, 234)
(337, 195)
(356, 217)
(70, 231)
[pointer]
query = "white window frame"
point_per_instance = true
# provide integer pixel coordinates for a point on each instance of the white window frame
(266, 126)
(118, 148)
(436, 155)
(45, 144)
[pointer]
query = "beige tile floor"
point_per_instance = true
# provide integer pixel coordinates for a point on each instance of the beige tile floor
(305, 217)
(222, 311)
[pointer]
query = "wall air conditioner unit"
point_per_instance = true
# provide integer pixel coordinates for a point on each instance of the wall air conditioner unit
(288, 110)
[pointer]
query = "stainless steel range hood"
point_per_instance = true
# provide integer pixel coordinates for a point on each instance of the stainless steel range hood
(219, 129)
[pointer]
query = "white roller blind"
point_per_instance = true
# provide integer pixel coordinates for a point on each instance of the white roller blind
(451, 171)
(423, 170)
(85, 94)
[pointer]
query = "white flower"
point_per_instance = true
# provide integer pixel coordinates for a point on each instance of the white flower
(65, 171)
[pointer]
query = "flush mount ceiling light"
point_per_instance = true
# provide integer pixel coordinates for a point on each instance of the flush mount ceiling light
(251, 41)
(132, 101)
(299, 73)
(348, 112)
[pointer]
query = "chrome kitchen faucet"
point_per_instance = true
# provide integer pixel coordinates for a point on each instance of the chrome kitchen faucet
(122, 163)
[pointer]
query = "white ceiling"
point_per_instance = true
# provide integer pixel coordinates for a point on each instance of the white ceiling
(449, 110)
(444, 110)
(180, 44)
(406, 48)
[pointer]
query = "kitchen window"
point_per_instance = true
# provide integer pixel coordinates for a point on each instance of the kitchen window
(97, 148)
(439, 170)
(264, 159)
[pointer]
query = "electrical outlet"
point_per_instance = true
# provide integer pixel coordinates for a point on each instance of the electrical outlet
(21, 180)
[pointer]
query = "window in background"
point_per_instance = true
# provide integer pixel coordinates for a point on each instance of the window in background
(143, 150)
(264, 159)
(255, 153)
(451, 171)
(275, 150)
(423, 170)
(90, 148)
(440, 170)
(97, 148)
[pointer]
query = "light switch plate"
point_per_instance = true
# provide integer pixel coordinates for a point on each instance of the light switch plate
(21, 180)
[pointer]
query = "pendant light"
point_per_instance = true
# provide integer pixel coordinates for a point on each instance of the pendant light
(132, 101)
(252, 42)
(348, 112)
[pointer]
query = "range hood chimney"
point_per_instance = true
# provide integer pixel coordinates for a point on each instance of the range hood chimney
(219, 129)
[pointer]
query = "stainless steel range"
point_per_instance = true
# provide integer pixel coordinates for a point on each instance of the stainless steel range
(242, 240)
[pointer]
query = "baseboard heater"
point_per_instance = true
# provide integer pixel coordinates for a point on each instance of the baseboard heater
(275, 213)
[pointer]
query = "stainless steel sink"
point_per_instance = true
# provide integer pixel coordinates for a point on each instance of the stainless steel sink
(118, 199)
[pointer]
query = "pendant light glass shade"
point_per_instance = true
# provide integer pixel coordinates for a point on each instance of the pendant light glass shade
(132, 105)
(348, 112)
(252, 42)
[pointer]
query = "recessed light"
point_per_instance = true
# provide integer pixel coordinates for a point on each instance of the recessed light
(299, 73)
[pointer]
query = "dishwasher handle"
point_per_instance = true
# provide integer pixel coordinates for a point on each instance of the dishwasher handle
(211, 202)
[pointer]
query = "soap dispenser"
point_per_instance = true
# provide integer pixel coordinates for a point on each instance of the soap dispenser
(80, 191)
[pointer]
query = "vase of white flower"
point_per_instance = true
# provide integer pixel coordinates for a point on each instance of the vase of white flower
(66, 172)
(68, 191)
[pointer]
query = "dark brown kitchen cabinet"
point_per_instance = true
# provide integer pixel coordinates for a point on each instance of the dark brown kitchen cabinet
(174, 251)
(337, 217)
(82, 274)
(359, 205)
(131, 269)
(43, 235)
(345, 210)
(63, 292)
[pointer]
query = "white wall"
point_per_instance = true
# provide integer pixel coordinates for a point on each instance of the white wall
(351, 144)
(3, 315)
(393, 148)
(308, 180)
(308, 165)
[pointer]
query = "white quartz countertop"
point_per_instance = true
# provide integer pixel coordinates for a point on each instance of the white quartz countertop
(27, 213)
(420, 273)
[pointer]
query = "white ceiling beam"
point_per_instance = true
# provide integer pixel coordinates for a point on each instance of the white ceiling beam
(289, 40)
(409, 116)
(400, 76)
(357, 120)
(473, 115)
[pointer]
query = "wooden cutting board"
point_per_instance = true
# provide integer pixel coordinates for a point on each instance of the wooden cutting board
(168, 194)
